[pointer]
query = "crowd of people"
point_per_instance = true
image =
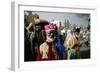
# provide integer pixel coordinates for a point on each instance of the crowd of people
(46, 41)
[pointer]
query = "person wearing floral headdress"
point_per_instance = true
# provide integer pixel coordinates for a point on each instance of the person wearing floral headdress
(47, 49)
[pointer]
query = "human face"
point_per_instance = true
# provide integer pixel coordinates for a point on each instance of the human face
(36, 20)
(50, 36)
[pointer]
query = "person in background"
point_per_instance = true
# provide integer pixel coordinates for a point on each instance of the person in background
(35, 28)
(58, 42)
(69, 34)
(73, 45)
(28, 55)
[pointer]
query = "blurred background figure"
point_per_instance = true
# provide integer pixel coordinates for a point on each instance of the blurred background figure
(35, 29)
(68, 35)
(73, 45)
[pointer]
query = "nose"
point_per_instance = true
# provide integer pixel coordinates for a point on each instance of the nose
(52, 35)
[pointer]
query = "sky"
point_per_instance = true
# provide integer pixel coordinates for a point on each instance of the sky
(74, 18)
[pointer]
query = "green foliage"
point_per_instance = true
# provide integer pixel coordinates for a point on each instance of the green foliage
(67, 24)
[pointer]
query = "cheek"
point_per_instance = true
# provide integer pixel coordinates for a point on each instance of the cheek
(37, 21)
(50, 39)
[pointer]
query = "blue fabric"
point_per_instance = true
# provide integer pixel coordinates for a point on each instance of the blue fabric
(60, 48)
(72, 56)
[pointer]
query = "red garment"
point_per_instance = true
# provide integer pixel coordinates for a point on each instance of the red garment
(39, 56)
(50, 53)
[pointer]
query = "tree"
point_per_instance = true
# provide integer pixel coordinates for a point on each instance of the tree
(66, 24)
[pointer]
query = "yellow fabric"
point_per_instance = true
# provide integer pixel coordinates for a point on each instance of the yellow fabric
(44, 50)
(72, 41)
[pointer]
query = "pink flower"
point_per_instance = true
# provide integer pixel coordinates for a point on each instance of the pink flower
(49, 27)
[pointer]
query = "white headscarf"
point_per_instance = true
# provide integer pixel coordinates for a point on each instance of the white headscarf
(69, 34)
